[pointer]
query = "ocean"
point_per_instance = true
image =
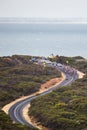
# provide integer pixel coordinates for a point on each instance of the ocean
(43, 39)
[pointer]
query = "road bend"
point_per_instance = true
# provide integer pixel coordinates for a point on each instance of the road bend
(16, 111)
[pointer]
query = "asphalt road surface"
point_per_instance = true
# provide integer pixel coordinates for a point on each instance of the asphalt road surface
(15, 111)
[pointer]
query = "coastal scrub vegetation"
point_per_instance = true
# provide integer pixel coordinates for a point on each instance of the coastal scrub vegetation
(66, 107)
(77, 62)
(19, 77)
(7, 124)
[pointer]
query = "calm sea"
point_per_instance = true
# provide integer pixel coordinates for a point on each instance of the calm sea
(43, 39)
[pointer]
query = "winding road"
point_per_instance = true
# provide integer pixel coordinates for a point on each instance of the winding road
(16, 111)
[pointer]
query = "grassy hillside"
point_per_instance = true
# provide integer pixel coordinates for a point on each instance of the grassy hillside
(65, 108)
(18, 77)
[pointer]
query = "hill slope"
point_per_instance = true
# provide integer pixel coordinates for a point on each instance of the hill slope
(18, 77)
(66, 107)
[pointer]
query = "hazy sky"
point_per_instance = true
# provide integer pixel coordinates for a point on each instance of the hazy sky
(43, 8)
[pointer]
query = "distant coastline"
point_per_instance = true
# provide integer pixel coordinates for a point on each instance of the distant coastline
(43, 20)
